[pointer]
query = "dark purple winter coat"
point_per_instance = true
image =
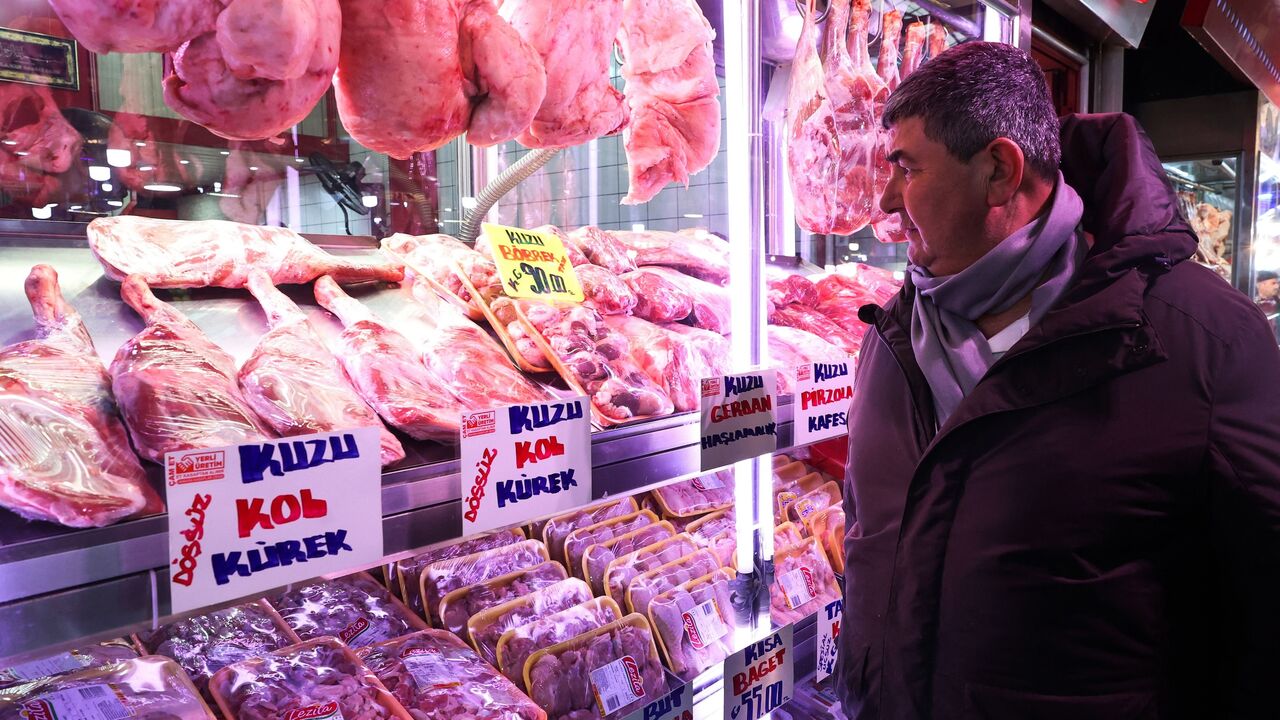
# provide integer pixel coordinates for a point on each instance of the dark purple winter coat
(1094, 534)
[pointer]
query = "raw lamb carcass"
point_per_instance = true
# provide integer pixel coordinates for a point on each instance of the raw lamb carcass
(813, 146)
(517, 644)
(137, 26)
(658, 299)
(354, 609)
(384, 368)
(217, 253)
(147, 688)
(295, 383)
(64, 455)
(487, 628)
(303, 680)
(671, 89)
(668, 358)
(562, 677)
(693, 252)
(574, 41)
(459, 606)
(695, 623)
(855, 90)
(888, 228)
(913, 48)
(176, 389)
(887, 68)
(605, 292)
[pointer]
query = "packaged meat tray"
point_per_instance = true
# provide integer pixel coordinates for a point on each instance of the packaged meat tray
(596, 560)
(517, 644)
(82, 658)
(557, 529)
(145, 688)
(601, 248)
(433, 674)
(786, 535)
(825, 496)
(404, 575)
(619, 574)
(355, 609)
(782, 500)
(486, 628)
(707, 528)
(803, 582)
(576, 544)
(314, 679)
(695, 622)
(781, 460)
(444, 576)
(205, 644)
(647, 586)
(786, 476)
(696, 496)
(828, 527)
(609, 671)
(460, 605)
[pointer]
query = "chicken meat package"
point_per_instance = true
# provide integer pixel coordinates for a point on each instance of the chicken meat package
(486, 628)
(518, 644)
(820, 498)
(462, 604)
(786, 534)
(649, 585)
(695, 622)
(610, 670)
(314, 679)
(828, 527)
(696, 496)
(717, 533)
(205, 644)
(433, 674)
(145, 688)
(598, 557)
(406, 573)
(443, 577)
(355, 609)
(619, 574)
(557, 529)
(575, 546)
(81, 658)
(803, 582)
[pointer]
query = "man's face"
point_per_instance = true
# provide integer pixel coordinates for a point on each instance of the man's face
(942, 201)
(1268, 289)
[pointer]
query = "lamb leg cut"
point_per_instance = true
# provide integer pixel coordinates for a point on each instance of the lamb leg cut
(813, 147)
(855, 90)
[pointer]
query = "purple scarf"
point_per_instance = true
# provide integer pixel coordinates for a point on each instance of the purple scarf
(951, 350)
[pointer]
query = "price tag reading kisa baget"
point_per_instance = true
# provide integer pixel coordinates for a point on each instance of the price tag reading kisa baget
(522, 462)
(759, 678)
(829, 619)
(675, 705)
(738, 417)
(823, 394)
(247, 518)
(532, 264)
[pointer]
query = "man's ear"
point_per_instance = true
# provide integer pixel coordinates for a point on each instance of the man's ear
(1005, 167)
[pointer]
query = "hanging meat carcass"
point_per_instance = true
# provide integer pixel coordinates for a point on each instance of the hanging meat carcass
(813, 148)
(855, 90)
(888, 228)
(887, 68)
(38, 144)
(137, 26)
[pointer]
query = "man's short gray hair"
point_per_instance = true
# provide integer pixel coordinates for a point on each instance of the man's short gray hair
(977, 92)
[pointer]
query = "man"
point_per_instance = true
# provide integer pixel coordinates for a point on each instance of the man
(1268, 284)
(1063, 489)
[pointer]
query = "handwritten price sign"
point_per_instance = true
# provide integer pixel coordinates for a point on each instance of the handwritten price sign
(533, 264)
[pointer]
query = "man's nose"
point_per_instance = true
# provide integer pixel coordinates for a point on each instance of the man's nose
(891, 198)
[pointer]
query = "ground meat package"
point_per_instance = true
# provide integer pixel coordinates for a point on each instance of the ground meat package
(319, 678)
(355, 609)
(620, 573)
(518, 644)
(596, 560)
(695, 623)
(825, 496)
(205, 644)
(557, 529)
(787, 534)
(433, 674)
(460, 605)
(405, 574)
(486, 628)
(609, 671)
(443, 577)
(145, 688)
(803, 582)
(696, 496)
(89, 656)
(647, 586)
(575, 546)
(828, 527)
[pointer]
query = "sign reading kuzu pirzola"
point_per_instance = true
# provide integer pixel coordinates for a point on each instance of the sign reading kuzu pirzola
(738, 417)
(532, 264)
(823, 394)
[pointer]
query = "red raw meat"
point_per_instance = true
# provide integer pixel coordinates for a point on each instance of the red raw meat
(605, 292)
(619, 574)
(813, 146)
(710, 303)
(600, 248)
(596, 560)
(670, 360)
(693, 252)
(137, 26)
(855, 90)
(804, 318)
(887, 68)
(658, 299)
(712, 347)
(560, 679)
(786, 288)
(354, 609)
(517, 644)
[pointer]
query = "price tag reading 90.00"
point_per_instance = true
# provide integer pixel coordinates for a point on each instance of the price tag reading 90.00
(533, 264)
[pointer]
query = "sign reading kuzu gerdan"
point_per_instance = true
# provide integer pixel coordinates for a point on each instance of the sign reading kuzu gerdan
(520, 462)
(248, 518)
(532, 264)
(823, 393)
(738, 417)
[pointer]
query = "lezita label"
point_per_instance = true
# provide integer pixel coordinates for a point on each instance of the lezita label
(362, 632)
(799, 587)
(85, 702)
(617, 684)
(707, 483)
(326, 711)
(44, 667)
(702, 624)
(429, 668)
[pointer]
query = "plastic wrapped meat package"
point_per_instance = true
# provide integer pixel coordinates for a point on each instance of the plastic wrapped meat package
(81, 658)
(716, 532)
(443, 577)
(558, 528)
(828, 527)
(649, 585)
(487, 627)
(806, 318)
(620, 573)
(355, 609)
(696, 496)
(712, 347)
(406, 573)
(575, 546)
(787, 534)
(694, 623)
(433, 674)
(601, 248)
(658, 298)
(598, 557)
(460, 605)
(205, 644)
(787, 287)
(694, 251)
(445, 260)
(826, 496)
(320, 677)
(145, 688)
(518, 644)
(572, 250)
(803, 582)
(670, 359)
(860, 284)
(710, 305)
(605, 292)
(599, 673)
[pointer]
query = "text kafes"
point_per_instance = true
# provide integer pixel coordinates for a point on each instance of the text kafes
(763, 658)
